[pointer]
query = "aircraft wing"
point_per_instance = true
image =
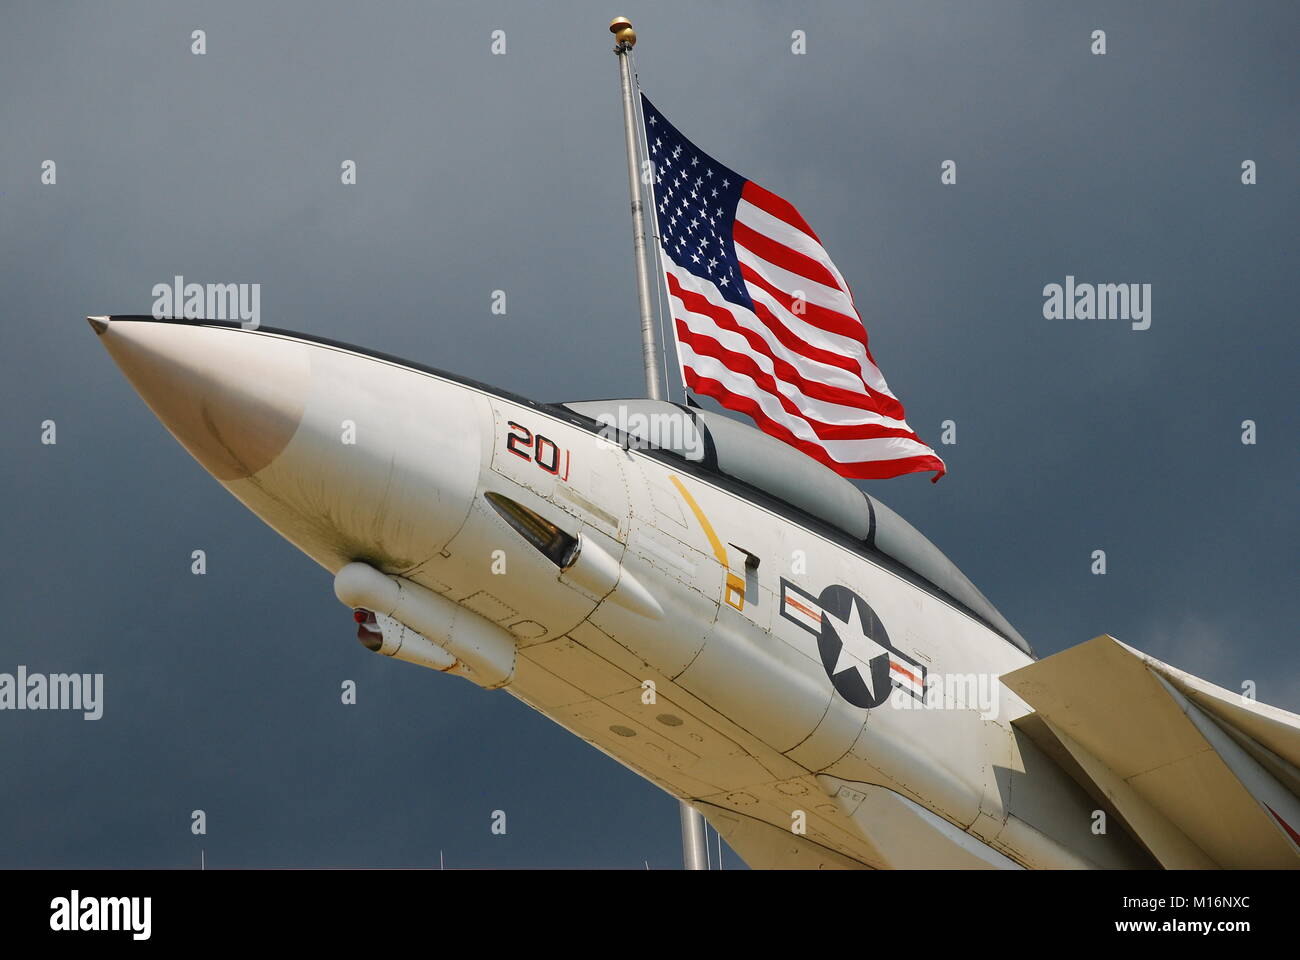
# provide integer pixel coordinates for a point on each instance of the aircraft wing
(1202, 776)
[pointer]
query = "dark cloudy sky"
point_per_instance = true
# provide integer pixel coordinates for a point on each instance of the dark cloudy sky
(480, 172)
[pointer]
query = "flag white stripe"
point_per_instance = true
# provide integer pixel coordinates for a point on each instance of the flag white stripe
(825, 411)
(814, 292)
(822, 339)
(807, 367)
(842, 451)
(774, 228)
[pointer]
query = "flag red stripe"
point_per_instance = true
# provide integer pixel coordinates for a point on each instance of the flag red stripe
(815, 315)
(745, 366)
(781, 255)
(788, 338)
(723, 318)
(769, 202)
(886, 404)
(869, 470)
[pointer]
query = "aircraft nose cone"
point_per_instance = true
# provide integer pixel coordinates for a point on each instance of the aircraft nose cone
(349, 456)
(234, 402)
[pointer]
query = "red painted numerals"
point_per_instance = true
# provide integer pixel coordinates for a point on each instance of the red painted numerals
(535, 448)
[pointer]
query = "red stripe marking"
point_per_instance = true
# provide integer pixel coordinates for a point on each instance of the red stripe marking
(903, 670)
(800, 607)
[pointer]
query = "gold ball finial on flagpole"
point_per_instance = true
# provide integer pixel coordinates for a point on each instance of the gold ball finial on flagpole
(621, 28)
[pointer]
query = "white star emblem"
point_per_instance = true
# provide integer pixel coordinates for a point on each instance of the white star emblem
(857, 650)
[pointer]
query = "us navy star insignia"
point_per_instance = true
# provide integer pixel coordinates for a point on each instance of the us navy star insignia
(857, 651)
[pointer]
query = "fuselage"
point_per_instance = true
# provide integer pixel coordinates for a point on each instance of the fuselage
(822, 705)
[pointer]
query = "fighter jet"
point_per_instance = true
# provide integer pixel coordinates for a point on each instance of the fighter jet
(720, 614)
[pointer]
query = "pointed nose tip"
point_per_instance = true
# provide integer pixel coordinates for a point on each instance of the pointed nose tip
(232, 398)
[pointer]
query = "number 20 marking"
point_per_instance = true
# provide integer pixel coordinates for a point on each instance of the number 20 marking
(535, 448)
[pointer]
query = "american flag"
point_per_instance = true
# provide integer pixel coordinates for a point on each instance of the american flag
(764, 322)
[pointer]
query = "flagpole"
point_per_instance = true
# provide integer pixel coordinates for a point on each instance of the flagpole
(693, 840)
(625, 40)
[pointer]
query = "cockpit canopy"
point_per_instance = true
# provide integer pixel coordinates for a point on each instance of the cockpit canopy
(764, 464)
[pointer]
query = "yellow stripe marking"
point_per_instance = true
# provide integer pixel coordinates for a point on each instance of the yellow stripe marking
(734, 585)
(718, 550)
